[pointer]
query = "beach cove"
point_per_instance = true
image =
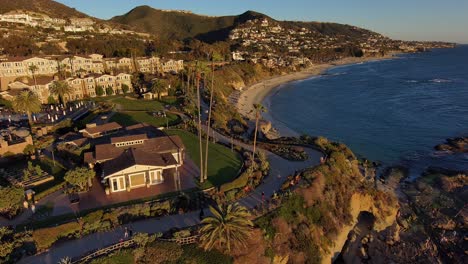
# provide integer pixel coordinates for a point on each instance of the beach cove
(256, 93)
(390, 111)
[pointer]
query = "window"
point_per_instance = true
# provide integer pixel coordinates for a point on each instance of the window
(156, 177)
(118, 184)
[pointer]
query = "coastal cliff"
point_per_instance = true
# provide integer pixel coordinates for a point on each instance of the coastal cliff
(385, 216)
(314, 219)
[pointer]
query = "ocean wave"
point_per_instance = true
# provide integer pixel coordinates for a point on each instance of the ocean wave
(436, 80)
(440, 80)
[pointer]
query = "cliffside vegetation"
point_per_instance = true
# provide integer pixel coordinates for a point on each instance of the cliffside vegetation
(314, 216)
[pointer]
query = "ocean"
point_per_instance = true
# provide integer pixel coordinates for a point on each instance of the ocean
(392, 111)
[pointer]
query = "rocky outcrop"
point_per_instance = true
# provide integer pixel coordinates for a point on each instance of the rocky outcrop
(237, 85)
(384, 213)
(459, 144)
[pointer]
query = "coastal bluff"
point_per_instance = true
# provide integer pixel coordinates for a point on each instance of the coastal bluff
(385, 217)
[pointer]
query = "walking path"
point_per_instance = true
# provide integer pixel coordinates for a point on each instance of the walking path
(279, 170)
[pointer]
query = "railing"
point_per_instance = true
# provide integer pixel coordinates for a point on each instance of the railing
(183, 240)
(105, 251)
(130, 243)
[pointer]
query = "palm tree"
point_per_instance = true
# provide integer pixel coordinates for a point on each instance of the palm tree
(202, 178)
(27, 101)
(209, 121)
(65, 260)
(60, 89)
(258, 109)
(159, 86)
(229, 227)
(33, 69)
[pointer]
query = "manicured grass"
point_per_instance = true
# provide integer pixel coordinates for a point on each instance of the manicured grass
(223, 164)
(138, 104)
(131, 118)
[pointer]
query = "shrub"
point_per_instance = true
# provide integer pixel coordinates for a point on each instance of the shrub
(92, 222)
(161, 252)
(238, 183)
(46, 237)
(40, 195)
(182, 233)
(11, 199)
(194, 254)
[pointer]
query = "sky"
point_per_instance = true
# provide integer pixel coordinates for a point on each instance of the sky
(443, 20)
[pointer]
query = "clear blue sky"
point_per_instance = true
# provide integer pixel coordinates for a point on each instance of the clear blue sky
(400, 19)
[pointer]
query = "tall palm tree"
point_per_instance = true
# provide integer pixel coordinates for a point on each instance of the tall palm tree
(258, 109)
(159, 86)
(27, 101)
(228, 227)
(60, 89)
(202, 177)
(209, 121)
(33, 69)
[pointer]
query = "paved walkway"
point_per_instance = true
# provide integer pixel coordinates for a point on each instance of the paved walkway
(280, 169)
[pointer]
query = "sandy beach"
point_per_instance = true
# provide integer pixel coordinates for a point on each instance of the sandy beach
(256, 93)
(259, 92)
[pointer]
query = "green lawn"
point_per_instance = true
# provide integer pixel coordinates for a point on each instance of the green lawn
(223, 165)
(138, 104)
(128, 118)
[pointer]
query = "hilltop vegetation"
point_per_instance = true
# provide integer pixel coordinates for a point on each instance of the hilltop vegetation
(48, 7)
(182, 25)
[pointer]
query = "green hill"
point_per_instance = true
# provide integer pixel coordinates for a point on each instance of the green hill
(181, 25)
(48, 7)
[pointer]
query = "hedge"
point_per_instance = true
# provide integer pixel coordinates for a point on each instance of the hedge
(45, 237)
(239, 182)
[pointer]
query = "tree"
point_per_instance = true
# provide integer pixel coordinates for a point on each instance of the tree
(109, 91)
(29, 150)
(125, 88)
(51, 100)
(99, 90)
(209, 121)
(65, 260)
(27, 101)
(159, 86)
(11, 199)
(80, 176)
(33, 69)
(229, 227)
(202, 178)
(60, 89)
(258, 109)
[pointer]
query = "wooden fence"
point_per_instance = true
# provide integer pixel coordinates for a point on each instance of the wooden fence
(130, 243)
(105, 251)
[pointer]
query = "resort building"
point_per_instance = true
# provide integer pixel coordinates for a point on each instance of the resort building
(81, 87)
(94, 131)
(78, 66)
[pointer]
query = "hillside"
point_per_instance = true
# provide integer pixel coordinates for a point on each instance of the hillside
(182, 25)
(48, 7)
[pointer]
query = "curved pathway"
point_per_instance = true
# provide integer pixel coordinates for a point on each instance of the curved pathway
(279, 170)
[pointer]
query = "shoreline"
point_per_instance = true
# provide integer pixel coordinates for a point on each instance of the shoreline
(261, 91)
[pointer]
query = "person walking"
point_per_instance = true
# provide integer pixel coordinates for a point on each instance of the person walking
(126, 233)
(202, 214)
